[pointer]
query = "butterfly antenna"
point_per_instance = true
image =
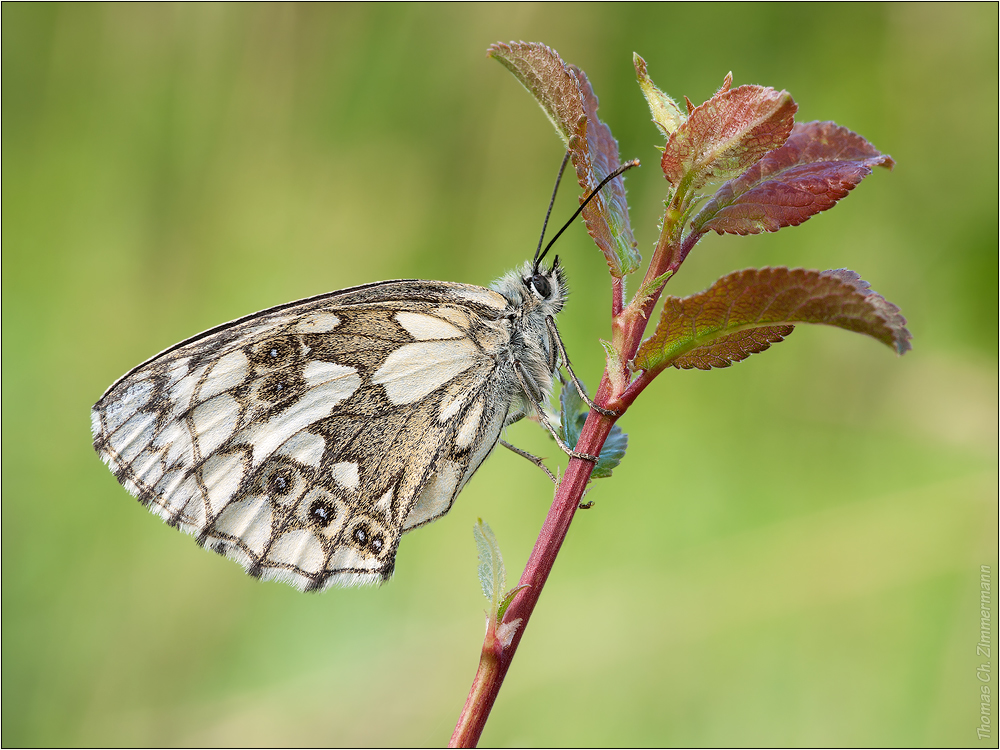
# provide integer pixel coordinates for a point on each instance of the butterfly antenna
(552, 200)
(605, 181)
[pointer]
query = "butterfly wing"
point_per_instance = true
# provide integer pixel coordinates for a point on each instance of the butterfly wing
(304, 440)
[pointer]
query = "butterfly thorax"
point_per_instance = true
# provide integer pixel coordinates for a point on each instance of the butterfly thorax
(533, 295)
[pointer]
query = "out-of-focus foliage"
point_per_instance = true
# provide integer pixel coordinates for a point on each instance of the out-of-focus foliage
(796, 561)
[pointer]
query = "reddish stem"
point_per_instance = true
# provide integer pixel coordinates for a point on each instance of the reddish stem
(668, 256)
(630, 325)
(617, 296)
(494, 662)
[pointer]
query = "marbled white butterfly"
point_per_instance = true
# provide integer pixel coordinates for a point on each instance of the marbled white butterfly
(303, 440)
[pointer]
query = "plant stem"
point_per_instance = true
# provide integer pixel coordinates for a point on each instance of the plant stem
(631, 323)
(617, 296)
(495, 660)
(481, 699)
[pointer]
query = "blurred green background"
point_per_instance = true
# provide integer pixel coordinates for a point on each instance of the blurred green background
(790, 552)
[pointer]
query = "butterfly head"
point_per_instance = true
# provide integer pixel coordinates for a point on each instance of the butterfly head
(545, 287)
(533, 289)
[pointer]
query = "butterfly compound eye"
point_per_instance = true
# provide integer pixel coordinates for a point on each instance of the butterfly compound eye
(541, 286)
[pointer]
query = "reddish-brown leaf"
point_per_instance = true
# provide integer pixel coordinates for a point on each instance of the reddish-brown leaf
(542, 72)
(724, 136)
(727, 83)
(606, 216)
(734, 347)
(818, 165)
(745, 312)
(568, 100)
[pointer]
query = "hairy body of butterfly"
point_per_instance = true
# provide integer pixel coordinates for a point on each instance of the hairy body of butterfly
(302, 441)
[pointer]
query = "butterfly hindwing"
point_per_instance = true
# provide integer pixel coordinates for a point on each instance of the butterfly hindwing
(304, 440)
(298, 441)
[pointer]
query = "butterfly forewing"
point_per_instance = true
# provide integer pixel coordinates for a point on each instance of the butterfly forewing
(302, 441)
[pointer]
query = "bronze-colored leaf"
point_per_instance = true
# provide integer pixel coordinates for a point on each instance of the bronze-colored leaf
(547, 78)
(734, 347)
(606, 216)
(818, 165)
(568, 100)
(745, 312)
(724, 136)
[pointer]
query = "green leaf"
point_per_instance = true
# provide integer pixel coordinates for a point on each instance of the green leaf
(747, 311)
(648, 288)
(614, 366)
(666, 114)
(506, 599)
(492, 576)
(612, 453)
(574, 416)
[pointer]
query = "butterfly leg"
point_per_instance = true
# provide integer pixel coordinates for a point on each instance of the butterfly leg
(534, 459)
(519, 371)
(554, 333)
(540, 464)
